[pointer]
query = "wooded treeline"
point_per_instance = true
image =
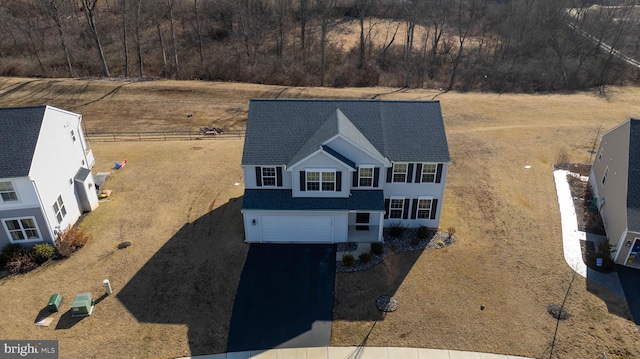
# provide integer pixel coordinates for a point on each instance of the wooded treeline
(488, 45)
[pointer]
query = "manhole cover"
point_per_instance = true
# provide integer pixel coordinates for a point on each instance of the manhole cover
(387, 303)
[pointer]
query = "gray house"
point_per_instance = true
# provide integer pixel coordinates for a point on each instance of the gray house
(615, 181)
(45, 174)
(330, 171)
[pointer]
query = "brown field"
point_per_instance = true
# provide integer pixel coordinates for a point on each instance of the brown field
(178, 204)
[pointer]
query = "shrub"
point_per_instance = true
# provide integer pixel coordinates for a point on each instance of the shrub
(451, 231)
(440, 244)
(9, 251)
(348, 260)
(70, 241)
(43, 252)
(423, 232)
(396, 229)
(394, 248)
(377, 248)
(365, 257)
(21, 262)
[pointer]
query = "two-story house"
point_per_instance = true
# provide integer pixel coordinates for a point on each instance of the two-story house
(330, 171)
(615, 182)
(45, 174)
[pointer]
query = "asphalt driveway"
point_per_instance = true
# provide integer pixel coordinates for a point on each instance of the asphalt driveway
(285, 297)
(630, 281)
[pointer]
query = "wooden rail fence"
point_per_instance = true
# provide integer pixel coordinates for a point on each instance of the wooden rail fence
(162, 136)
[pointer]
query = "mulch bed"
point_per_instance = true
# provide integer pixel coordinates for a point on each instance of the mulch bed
(408, 241)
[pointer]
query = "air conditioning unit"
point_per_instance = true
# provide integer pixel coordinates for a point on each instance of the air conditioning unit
(82, 305)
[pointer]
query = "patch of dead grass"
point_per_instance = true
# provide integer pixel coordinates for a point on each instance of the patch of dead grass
(508, 254)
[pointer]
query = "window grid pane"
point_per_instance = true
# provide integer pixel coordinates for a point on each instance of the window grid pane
(366, 177)
(268, 176)
(321, 181)
(21, 229)
(429, 173)
(400, 172)
(424, 209)
(7, 192)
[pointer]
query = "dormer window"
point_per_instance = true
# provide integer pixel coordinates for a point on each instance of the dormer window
(321, 180)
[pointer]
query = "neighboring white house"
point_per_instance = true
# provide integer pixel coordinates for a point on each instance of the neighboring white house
(45, 177)
(615, 182)
(329, 171)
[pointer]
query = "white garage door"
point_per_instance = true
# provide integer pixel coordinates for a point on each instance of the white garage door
(297, 229)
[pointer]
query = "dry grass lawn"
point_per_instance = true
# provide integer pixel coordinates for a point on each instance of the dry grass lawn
(174, 287)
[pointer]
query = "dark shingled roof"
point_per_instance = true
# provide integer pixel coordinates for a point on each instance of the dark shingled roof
(633, 184)
(283, 131)
(280, 199)
(19, 130)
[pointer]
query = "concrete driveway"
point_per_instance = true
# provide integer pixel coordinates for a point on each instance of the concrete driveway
(285, 298)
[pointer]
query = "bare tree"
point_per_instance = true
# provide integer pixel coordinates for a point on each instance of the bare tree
(54, 13)
(138, 39)
(170, 5)
(157, 21)
(123, 13)
(89, 7)
(326, 11)
(198, 31)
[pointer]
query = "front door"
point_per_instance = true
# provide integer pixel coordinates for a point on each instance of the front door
(362, 221)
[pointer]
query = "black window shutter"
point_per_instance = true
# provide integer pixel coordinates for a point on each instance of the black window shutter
(386, 208)
(279, 176)
(303, 184)
(405, 213)
(434, 207)
(354, 183)
(414, 209)
(338, 181)
(389, 174)
(376, 175)
(259, 176)
(439, 173)
(410, 173)
(419, 173)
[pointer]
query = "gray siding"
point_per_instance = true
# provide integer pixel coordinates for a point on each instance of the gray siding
(26, 212)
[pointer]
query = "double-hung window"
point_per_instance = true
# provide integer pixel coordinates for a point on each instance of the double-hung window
(21, 229)
(58, 208)
(365, 176)
(428, 172)
(400, 172)
(321, 180)
(424, 207)
(396, 207)
(268, 176)
(7, 193)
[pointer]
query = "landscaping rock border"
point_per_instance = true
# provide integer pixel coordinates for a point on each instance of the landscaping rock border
(393, 245)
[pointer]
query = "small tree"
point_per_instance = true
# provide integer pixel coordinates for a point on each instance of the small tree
(71, 240)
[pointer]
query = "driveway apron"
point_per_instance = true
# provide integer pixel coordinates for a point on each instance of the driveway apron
(285, 297)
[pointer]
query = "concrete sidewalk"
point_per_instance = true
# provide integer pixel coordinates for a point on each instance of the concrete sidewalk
(571, 238)
(356, 353)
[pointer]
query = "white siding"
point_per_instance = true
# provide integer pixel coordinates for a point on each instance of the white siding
(354, 153)
(321, 160)
(56, 161)
(249, 173)
(411, 191)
